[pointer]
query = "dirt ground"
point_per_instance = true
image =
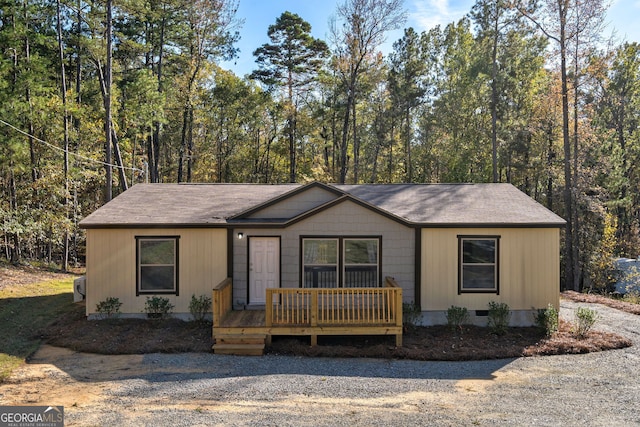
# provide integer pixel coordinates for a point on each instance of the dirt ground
(86, 382)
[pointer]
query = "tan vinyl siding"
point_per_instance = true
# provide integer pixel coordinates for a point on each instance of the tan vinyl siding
(111, 265)
(529, 268)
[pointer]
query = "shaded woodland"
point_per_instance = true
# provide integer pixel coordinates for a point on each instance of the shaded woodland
(98, 96)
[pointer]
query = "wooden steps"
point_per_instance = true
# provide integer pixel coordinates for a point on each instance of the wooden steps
(240, 345)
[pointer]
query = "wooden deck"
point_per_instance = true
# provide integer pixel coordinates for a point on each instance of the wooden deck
(306, 312)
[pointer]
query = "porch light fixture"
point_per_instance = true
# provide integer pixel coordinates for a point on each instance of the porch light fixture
(240, 236)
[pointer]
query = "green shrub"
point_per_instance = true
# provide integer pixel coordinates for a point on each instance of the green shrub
(109, 308)
(547, 319)
(585, 318)
(410, 314)
(499, 316)
(457, 317)
(199, 307)
(158, 307)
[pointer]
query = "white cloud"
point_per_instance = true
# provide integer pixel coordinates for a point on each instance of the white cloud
(426, 14)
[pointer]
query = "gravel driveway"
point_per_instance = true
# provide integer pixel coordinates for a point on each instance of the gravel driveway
(600, 389)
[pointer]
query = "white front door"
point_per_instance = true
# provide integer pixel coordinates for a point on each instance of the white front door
(264, 267)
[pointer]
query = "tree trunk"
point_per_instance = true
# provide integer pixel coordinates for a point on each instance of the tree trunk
(65, 121)
(356, 146)
(568, 186)
(494, 101)
(345, 136)
(107, 105)
(154, 149)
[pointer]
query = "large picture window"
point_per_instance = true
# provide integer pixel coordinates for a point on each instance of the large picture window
(478, 264)
(157, 265)
(340, 262)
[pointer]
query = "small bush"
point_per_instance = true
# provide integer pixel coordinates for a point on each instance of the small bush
(158, 307)
(410, 314)
(457, 317)
(199, 307)
(499, 316)
(547, 319)
(109, 308)
(585, 318)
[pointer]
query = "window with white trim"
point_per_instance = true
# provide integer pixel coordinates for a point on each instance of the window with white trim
(157, 265)
(478, 264)
(331, 262)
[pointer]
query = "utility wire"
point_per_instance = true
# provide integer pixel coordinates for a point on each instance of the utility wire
(89, 159)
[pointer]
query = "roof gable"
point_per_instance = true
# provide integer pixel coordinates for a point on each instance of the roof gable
(292, 203)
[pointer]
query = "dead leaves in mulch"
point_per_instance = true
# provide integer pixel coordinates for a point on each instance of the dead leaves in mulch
(137, 336)
(600, 299)
(563, 342)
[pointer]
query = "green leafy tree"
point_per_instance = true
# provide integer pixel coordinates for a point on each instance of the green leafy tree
(365, 23)
(290, 62)
(602, 268)
(407, 88)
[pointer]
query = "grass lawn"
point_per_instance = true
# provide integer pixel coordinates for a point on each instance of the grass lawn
(25, 310)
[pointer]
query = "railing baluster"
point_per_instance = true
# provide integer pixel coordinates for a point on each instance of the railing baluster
(334, 306)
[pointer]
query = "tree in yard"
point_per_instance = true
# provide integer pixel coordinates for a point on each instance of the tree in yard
(209, 35)
(564, 22)
(602, 267)
(364, 24)
(617, 102)
(407, 88)
(291, 62)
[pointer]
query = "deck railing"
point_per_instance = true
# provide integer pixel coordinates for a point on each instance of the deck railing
(335, 306)
(222, 300)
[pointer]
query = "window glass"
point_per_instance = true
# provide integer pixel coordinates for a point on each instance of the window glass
(478, 269)
(479, 251)
(360, 263)
(363, 251)
(156, 278)
(320, 251)
(479, 276)
(320, 263)
(156, 251)
(157, 265)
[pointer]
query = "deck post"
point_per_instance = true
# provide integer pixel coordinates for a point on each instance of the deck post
(268, 309)
(399, 316)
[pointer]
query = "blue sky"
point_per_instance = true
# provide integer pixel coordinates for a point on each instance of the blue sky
(623, 17)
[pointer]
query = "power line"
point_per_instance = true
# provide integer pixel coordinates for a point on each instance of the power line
(89, 159)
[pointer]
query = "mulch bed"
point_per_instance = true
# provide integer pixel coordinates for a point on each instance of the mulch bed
(138, 336)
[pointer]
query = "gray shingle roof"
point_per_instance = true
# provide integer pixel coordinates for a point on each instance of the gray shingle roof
(424, 204)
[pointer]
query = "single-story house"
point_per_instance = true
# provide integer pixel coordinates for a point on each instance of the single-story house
(445, 245)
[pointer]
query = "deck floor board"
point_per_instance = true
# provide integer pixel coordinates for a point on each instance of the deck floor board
(244, 318)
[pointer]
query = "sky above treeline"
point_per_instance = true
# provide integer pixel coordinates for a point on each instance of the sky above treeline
(623, 18)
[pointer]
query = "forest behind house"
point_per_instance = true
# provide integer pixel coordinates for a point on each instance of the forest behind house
(97, 96)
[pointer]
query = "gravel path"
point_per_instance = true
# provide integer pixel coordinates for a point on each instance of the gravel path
(600, 389)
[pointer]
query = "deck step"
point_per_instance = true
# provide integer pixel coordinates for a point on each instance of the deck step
(240, 339)
(240, 344)
(239, 349)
